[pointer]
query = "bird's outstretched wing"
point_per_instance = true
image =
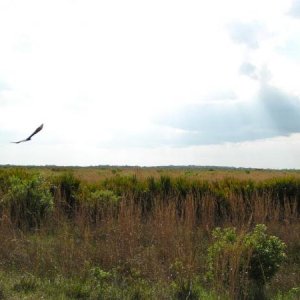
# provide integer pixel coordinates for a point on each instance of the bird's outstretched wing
(35, 132)
(29, 138)
(19, 141)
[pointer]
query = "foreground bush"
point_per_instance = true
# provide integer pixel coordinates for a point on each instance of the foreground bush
(244, 263)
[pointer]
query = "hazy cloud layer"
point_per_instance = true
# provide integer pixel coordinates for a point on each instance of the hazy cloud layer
(220, 95)
(3, 86)
(249, 34)
(282, 110)
(272, 113)
(248, 69)
(295, 9)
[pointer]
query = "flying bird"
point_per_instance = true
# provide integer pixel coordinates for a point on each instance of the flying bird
(29, 138)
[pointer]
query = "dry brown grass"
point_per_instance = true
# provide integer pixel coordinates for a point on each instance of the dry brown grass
(164, 244)
(211, 174)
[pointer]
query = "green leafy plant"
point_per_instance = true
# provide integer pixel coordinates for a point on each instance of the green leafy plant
(28, 200)
(268, 252)
(99, 203)
(244, 263)
(99, 275)
(182, 284)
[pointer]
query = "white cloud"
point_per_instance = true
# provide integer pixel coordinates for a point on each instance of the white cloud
(100, 73)
(295, 9)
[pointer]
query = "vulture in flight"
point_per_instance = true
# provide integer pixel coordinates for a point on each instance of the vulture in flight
(29, 138)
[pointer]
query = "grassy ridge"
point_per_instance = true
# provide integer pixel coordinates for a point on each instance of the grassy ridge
(136, 233)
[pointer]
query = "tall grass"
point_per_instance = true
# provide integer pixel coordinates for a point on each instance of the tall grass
(155, 228)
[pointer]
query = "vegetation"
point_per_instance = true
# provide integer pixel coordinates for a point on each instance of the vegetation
(153, 233)
(244, 263)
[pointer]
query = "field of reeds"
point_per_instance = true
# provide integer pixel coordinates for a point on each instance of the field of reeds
(149, 233)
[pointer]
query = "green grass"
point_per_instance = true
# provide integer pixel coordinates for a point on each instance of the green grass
(16, 286)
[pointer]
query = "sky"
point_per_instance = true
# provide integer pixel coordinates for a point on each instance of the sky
(160, 82)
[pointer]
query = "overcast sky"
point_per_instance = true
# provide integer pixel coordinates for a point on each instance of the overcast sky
(151, 82)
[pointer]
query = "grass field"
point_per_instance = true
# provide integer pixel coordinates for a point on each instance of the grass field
(149, 233)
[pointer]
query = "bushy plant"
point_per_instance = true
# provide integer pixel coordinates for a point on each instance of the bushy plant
(99, 275)
(28, 200)
(104, 197)
(68, 186)
(223, 259)
(268, 252)
(244, 263)
(182, 284)
(7, 174)
(99, 202)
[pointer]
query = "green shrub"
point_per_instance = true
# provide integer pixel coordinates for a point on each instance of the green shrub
(104, 198)
(68, 187)
(268, 252)
(7, 174)
(182, 285)
(244, 263)
(99, 275)
(99, 203)
(28, 200)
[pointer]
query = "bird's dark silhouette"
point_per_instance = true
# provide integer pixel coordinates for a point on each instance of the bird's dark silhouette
(29, 138)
